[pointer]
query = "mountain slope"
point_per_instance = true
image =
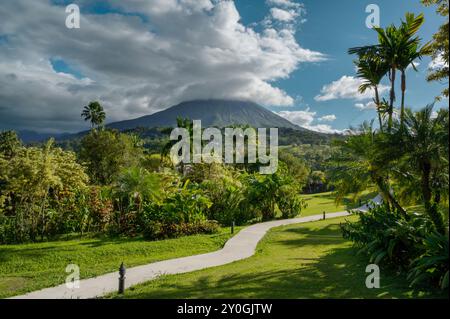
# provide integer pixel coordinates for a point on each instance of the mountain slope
(220, 113)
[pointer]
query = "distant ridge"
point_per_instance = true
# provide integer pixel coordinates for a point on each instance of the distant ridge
(219, 113)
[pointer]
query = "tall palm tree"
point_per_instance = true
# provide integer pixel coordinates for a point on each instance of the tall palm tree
(372, 69)
(393, 45)
(410, 52)
(94, 112)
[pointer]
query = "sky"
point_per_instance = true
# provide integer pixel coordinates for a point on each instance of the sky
(140, 57)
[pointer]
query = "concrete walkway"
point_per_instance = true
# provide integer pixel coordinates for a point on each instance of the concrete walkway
(241, 246)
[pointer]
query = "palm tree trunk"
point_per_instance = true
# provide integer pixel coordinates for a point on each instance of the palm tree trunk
(402, 112)
(387, 196)
(430, 208)
(392, 97)
(377, 102)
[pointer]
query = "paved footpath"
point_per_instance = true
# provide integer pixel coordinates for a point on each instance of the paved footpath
(240, 246)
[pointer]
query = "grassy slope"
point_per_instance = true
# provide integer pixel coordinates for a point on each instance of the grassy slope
(298, 261)
(324, 202)
(29, 267)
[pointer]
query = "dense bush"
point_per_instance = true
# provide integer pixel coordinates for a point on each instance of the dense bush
(408, 244)
(161, 230)
(266, 194)
(290, 203)
(433, 263)
(40, 187)
(182, 213)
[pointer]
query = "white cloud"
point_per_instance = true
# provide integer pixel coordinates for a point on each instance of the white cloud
(366, 106)
(437, 63)
(144, 57)
(306, 118)
(301, 118)
(325, 128)
(346, 88)
(283, 15)
(327, 118)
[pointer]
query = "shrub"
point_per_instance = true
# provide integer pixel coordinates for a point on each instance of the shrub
(433, 264)
(289, 202)
(267, 192)
(101, 209)
(410, 244)
(160, 230)
(226, 193)
(387, 236)
(182, 213)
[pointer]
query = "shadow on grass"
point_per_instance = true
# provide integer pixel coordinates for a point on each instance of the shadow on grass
(339, 273)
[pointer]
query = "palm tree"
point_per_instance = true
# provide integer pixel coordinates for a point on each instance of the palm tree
(136, 185)
(372, 69)
(360, 164)
(425, 147)
(94, 112)
(410, 52)
(393, 45)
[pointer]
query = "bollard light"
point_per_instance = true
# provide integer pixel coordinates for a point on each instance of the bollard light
(323, 215)
(122, 272)
(232, 227)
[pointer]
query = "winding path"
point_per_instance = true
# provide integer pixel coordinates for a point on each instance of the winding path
(241, 246)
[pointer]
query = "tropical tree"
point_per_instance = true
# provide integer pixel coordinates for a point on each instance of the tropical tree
(425, 148)
(94, 113)
(9, 144)
(410, 51)
(267, 192)
(38, 183)
(372, 69)
(395, 47)
(439, 45)
(360, 164)
(135, 186)
(106, 153)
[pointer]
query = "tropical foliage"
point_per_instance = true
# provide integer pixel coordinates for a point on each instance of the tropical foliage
(439, 46)
(94, 113)
(406, 159)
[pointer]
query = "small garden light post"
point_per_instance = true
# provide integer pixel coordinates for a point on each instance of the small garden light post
(323, 215)
(122, 272)
(232, 227)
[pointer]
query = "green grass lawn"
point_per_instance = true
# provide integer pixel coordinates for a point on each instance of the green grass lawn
(28, 267)
(298, 261)
(324, 202)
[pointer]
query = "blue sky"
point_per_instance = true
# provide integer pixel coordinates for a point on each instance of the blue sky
(331, 28)
(139, 57)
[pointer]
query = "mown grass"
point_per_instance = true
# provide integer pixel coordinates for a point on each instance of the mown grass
(298, 261)
(325, 202)
(28, 267)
